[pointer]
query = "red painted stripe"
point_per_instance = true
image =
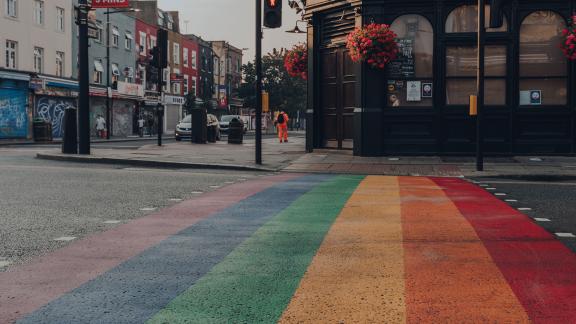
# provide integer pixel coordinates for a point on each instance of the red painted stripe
(540, 269)
(26, 288)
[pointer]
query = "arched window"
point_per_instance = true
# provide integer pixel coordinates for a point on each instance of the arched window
(543, 67)
(464, 19)
(410, 76)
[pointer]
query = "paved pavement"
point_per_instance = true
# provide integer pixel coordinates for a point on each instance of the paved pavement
(316, 248)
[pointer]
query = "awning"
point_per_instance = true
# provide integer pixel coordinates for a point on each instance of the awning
(115, 70)
(98, 66)
(128, 35)
(115, 31)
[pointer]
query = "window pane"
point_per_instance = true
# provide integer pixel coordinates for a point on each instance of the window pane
(553, 91)
(540, 36)
(464, 19)
(417, 34)
(461, 61)
(458, 91)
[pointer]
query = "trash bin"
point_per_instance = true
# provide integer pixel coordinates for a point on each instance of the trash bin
(70, 137)
(42, 130)
(212, 134)
(236, 131)
(199, 128)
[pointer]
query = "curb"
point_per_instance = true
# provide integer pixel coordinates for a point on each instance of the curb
(151, 164)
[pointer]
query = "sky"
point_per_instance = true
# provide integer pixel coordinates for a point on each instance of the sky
(233, 21)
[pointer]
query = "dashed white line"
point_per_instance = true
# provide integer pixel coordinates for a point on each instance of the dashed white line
(65, 238)
(4, 264)
(214, 187)
(542, 219)
(229, 182)
(566, 235)
(175, 199)
(197, 192)
(511, 200)
(500, 194)
(148, 209)
(524, 209)
(112, 222)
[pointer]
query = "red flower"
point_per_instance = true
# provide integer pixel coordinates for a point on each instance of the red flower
(296, 61)
(568, 46)
(374, 44)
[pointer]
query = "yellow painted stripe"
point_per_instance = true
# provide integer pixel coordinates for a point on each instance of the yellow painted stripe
(357, 275)
(450, 276)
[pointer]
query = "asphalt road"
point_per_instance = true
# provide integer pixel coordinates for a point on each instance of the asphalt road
(552, 202)
(42, 201)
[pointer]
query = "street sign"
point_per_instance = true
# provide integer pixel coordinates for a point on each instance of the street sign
(110, 3)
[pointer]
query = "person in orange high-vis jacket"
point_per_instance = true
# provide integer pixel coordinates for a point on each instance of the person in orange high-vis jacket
(281, 123)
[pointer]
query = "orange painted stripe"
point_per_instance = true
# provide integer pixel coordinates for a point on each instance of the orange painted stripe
(450, 276)
(357, 275)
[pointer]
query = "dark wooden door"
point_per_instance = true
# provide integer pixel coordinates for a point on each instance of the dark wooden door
(337, 99)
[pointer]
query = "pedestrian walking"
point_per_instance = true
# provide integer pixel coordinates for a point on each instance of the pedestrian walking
(141, 124)
(281, 124)
(150, 125)
(100, 126)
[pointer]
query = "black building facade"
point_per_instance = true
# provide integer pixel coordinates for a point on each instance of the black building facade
(419, 104)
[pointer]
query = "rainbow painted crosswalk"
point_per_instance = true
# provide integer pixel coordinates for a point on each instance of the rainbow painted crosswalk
(308, 249)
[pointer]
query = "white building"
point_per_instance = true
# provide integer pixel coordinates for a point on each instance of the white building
(36, 36)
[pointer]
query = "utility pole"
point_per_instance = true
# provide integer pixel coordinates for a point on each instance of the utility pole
(108, 67)
(84, 81)
(480, 86)
(258, 63)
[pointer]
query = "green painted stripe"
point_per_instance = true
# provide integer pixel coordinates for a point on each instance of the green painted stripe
(255, 283)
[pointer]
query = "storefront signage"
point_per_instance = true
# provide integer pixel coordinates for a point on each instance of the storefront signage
(37, 84)
(413, 91)
(131, 89)
(403, 66)
(110, 3)
(174, 100)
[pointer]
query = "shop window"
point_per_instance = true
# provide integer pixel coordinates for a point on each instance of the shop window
(461, 68)
(410, 76)
(464, 19)
(543, 67)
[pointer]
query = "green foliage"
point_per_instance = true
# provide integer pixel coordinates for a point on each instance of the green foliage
(286, 93)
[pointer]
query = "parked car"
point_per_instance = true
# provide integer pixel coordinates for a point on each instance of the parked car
(184, 127)
(225, 123)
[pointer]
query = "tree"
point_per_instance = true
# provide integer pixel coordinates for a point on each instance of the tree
(286, 93)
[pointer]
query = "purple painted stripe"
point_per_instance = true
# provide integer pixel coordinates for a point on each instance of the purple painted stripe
(31, 286)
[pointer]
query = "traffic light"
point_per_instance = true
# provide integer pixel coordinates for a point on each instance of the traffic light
(496, 13)
(273, 13)
(162, 44)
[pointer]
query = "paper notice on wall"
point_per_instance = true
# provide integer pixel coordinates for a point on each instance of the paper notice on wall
(413, 91)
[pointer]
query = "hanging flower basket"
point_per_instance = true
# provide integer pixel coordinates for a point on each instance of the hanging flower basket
(374, 44)
(296, 61)
(568, 46)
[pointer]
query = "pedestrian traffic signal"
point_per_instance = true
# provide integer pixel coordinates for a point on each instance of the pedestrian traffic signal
(273, 13)
(162, 44)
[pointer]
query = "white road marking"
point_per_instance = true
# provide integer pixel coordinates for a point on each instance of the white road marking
(197, 192)
(214, 187)
(112, 222)
(4, 264)
(484, 185)
(148, 209)
(175, 199)
(490, 188)
(524, 209)
(566, 235)
(500, 194)
(242, 179)
(229, 182)
(394, 159)
(536, 159)
(542, 220)
(65, 238)
(511, 200)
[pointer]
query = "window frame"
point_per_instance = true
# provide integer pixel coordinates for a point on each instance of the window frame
(60, 63)
(39, 12)
(8, 13)
(11, 50)
(521, 78)
(60, 19)
(38, 55)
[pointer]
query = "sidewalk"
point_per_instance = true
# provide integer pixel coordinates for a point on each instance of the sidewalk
(291, 157)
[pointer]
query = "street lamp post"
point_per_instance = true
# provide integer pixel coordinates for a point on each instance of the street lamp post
(83, 80)
(258, 63)
(480, 86)
(108, 72)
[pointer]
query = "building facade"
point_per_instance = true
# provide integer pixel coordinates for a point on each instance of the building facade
(419, 103)
(35, 36)
(227, 75)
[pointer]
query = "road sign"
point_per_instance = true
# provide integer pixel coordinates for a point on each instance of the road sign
(110, 3)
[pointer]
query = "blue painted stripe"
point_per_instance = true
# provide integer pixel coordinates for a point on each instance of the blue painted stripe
(142, 286)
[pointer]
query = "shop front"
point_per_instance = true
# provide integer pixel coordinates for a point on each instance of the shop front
(173, 112)
(14, 113)
(124, 106)
(418, 104)
(52, 96)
